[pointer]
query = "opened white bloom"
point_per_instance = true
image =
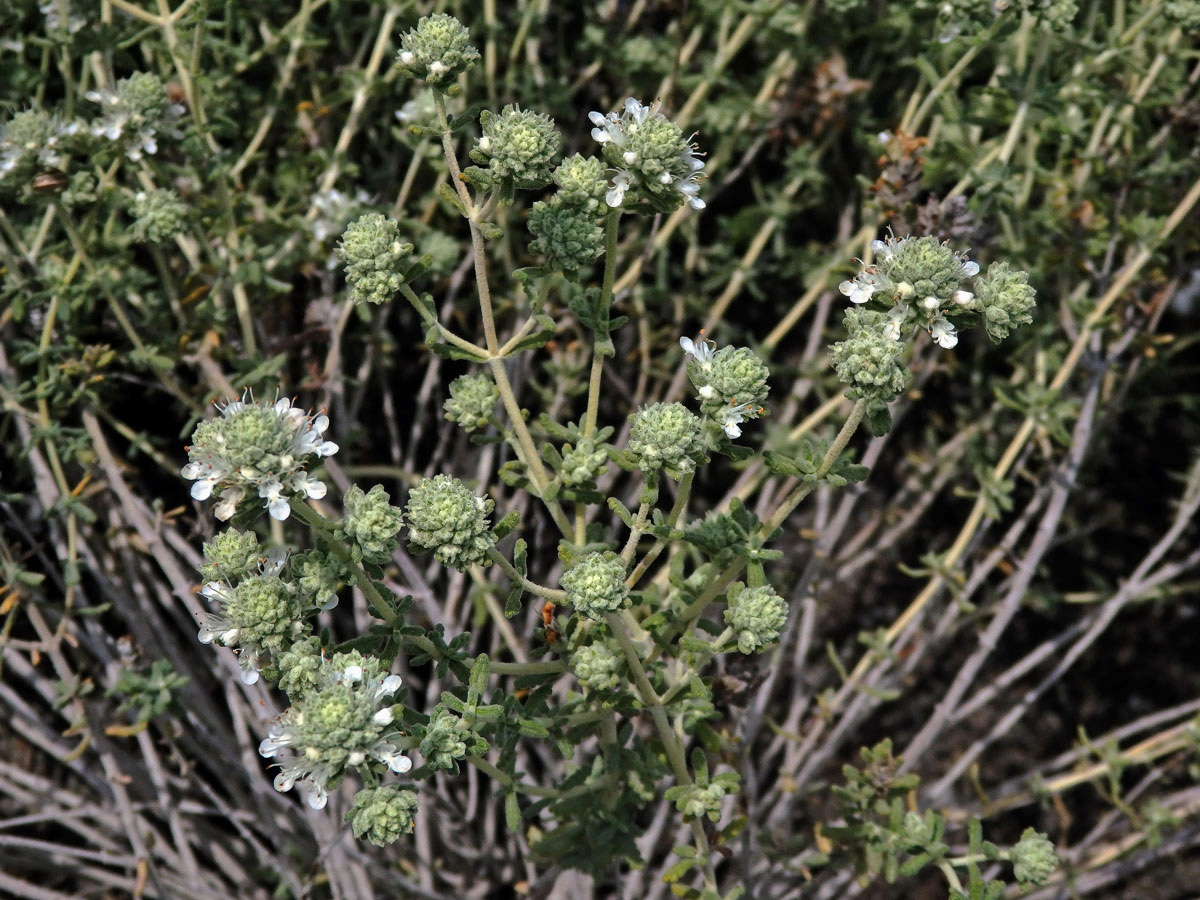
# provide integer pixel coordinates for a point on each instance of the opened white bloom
(861, 288)
(650, 151)
(731, 417)
(944, 333)
(701, 349)
(896, 316)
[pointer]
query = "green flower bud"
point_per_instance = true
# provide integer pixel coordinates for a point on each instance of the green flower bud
(230, 555)
(584, 463)
(518, 144)
(472, 399)
(1033, 858)
(24, 140)
(344, 721)
(318, 575)
(581, 182)
(666, 436)
(437, 50)
(375, 258)
(158, 215)
(1054, 15)
(694, 801)
(597, 666)
(1004, 300)
(445, 517)
(917, 831)
(300, 667)
(868, 360)
(371, 523)
(447, 740)
(382, 814)
(565, 233)
(595, 585)
(756, 615)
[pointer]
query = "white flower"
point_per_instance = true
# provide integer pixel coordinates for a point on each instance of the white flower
(943, 332)
(970, 268)
(859, 290)
(620, 184)
(701, 349)
(963, 298)
(732, 416)
(896, 316)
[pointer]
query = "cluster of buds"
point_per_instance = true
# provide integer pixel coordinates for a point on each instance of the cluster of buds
(731, 382)
(438, 50)
(756, 615)
(134, 112)
(595, 585)
(445, 517)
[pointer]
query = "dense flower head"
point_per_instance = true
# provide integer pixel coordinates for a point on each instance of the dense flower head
(25, 145)
(666, 436)
(1033, 858)
(582, 463)
(756, 615)
(597, 666)
(371, 523)
(567, 234)
(695, 801)
(300, 666)
(581, 181)
(1185, 13)
(922, 278)
(229, 555)
(731, 382)
(158, 215)
(869, 360)
(518, 144)
(445, 517)
(382, 814)
(472, 399)
(260, 614)
(1004, 300)
(595, 584)
(651, 156)
(259, 447)
(375, 257)
(437, 50)
(318, 574)
(133, 114)
(345, 721)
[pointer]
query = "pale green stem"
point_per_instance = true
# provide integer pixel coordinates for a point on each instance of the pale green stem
(606, 296)
(517, 578)
(681, 498)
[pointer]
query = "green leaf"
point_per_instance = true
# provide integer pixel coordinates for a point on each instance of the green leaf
(507, 525)
(512, 811)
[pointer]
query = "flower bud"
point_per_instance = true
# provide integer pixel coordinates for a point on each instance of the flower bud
(565, 233)
(597, 666)
(666, 436)
(375, 258)
(518, 144)
(595, 585)
(472, 399)
(371, 523)
(445, 517)
(581, 182)
(383, 814)
(158, 215)
(1004, 300)
(870, 361)
(1033, 858)
(230, 555)
(756, 615)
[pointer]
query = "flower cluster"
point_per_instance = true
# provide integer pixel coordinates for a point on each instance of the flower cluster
(731, 382)
(158, 215)
(375, 258)
(447, 740)
(259, 614)
(437, 50)
(133, 114)
(229, 555)
(259, 447)
(382, 814)
(582, 463)
(756, 615)
(597, 666)
(565, 227)
(923, 279)
(472, 399)
(1004, 300)
(595, 585)
(666, 436)
(870, 360)
(651, 156)
(32, 140)
(345, 721)
(517, 145)
(1033, 858)
(371, 523)
(445, 517)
